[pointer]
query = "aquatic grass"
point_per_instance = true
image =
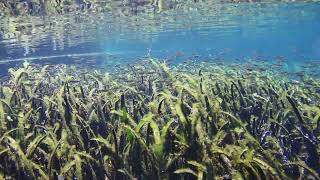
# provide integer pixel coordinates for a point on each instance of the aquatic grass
(152, 121)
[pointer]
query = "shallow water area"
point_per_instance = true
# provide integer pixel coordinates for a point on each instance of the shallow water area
(159, 89)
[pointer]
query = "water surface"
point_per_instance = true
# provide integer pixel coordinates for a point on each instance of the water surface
(204, 31)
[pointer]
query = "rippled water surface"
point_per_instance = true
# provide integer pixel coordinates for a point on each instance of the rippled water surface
(207, 31)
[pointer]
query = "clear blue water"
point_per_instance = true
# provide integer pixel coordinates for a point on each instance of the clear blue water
(252, 119)
(290, 30)
(262, 31)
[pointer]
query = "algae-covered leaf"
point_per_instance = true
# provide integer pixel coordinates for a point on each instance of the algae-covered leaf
(165, 130)
(137, 135)
(7, 133)
(39, 169)
(78, 163)
(295, 109)
(266, 166)
(186, 171)
(200, 166)
(237, 175)
(86, 155)
(156, 132)
(125, 116)
(125, 172)
(145, 120)
(66, 168)
(22, 121)
(51, 158)
(33, 145)
(93, 116)
(105, 142)
(19, 74)
(4, 151)
(179, 111)
(3, 120)
(158, 143)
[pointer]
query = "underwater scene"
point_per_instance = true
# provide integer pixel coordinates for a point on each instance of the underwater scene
(159, 89)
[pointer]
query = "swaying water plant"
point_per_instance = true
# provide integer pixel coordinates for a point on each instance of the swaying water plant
(152, 121)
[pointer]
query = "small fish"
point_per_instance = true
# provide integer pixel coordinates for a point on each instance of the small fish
(295, 82)
(277, 65)
(179, 54)
(28, 84)
(74, 81)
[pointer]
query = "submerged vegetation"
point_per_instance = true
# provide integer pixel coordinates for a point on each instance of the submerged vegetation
(41, 7)
(44, 7)
(149, 121)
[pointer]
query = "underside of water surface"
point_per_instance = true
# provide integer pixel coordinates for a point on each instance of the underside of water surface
(159, 89)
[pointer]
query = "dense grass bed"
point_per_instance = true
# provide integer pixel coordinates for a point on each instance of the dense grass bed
(151, 121)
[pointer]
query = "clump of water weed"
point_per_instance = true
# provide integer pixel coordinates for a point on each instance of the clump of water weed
(151, 121)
